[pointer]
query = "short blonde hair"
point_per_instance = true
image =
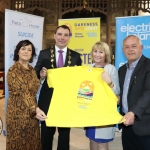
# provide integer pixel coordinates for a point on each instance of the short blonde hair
(104, 47)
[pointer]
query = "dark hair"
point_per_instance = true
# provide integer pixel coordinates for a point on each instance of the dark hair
(62, 26)
(19, 45)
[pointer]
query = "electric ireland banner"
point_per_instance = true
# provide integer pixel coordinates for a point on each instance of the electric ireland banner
(135, 25)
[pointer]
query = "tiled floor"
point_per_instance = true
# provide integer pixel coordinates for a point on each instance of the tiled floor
(78, 141)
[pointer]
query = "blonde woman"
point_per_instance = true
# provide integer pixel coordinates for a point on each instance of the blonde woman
(100, 136)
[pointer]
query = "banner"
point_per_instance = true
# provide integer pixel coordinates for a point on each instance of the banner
(20, 26)
(84, 101)
(136, 25)
(85, 33)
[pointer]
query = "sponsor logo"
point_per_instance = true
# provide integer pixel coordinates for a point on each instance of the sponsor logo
(33, 26)
(140, 30)
(91, 34)
(17, 23)
(86, 24)
(79, 35)
(25, 23)
(26, 34)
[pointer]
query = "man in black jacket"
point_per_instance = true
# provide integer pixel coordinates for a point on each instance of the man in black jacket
(134, 78)
(49, 59)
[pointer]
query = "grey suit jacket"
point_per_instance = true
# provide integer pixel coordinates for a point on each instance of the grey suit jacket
(138, 95)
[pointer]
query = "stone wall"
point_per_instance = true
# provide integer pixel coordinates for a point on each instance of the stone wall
(51, 22)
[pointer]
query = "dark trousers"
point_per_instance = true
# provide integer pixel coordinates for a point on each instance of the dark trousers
(47, 134)
(131, 141)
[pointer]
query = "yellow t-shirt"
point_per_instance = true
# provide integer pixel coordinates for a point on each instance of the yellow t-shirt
(80, 98)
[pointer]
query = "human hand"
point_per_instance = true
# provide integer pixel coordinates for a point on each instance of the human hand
(118, 99)
(40, 115)
(106, 77)
(129, 119)
(43, 73)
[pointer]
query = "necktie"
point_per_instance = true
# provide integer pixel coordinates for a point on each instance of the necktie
(60, 59)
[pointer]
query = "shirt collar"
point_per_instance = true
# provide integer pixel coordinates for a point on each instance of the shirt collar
(64, 49)
(134, 63)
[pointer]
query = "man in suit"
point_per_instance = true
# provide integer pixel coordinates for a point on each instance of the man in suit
(134, 78)
(49, 59)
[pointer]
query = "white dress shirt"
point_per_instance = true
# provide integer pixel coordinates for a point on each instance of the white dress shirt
(57, 54)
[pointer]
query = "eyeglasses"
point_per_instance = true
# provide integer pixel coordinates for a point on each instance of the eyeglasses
(130, 47)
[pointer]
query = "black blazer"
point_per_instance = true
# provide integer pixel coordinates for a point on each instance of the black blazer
(138, 95)
(45, 60)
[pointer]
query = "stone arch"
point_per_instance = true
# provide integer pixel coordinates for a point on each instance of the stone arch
(71, 5)
(87, 8)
